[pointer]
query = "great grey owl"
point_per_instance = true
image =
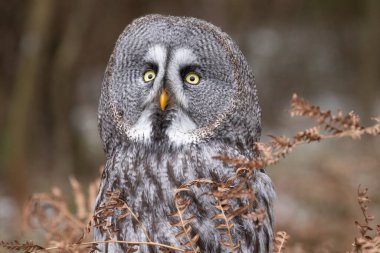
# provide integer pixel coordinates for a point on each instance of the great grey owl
(176, 93)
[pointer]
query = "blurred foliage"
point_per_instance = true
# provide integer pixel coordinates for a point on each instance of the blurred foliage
(53, 55)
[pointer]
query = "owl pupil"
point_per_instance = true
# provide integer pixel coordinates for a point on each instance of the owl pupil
(150, 76)
(192, 78)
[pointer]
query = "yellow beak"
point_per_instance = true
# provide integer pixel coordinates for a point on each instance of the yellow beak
(164, 98)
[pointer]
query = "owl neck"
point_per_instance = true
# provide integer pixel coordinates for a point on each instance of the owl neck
(147, 176)
(156, 170)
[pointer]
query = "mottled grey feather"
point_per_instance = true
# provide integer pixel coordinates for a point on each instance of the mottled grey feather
(151, 152)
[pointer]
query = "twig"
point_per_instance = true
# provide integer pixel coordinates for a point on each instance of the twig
(120, 242)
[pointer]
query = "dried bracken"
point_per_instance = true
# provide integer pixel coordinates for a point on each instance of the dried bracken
(280, 241)
(363, 201)
(233, 197)
(185, 236)
(226, 226)
(257, 216)
(70, 237)
(235, 188)
(26, 247)
(366, 243)
(113, 207)
(51, 213)
(328, 126)
(226, 195)
(116, 208)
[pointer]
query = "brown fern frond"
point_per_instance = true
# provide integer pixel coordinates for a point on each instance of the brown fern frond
(92, 246)
(234, 188)
(51, 213)
(105, 212)
(299, 107)
(363, 201)
(226, 225)
(65, 230)
(222, 192)
(338, 125)
(26, 247)
(197, 182)
(280, 241)
(328, 126)
(375, 129)
(185, 235)
(308, 135)
(258, 216)
(366, 243)
(114, 206)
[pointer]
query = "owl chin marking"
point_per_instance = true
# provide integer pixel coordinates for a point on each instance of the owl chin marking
(161, 120)
(169, 127)
(172, 126)
(180, 131)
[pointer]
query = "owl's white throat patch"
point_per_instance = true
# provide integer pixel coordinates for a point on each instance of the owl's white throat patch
(180, 130)
(142, 129)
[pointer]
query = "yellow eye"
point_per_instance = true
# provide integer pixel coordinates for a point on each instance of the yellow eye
(149, 75)
(192, 78)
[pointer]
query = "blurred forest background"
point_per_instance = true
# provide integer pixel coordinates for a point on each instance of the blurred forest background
(54, 53)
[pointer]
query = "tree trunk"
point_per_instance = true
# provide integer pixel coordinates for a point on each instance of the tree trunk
(31, 60)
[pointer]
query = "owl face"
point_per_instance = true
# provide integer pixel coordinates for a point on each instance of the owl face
(172, 79)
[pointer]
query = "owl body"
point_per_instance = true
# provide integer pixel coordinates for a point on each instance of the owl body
(177, 92)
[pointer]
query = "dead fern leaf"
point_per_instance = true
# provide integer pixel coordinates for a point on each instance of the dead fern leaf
(26, 247)
(225, 226)
(280, 241)
(363, 201)
(258, 216)
(366, 243)
(52, 214)
(181, 205)
(327, 126)
(114, 206)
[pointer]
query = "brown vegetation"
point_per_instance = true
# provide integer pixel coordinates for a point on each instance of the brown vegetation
(69, 232)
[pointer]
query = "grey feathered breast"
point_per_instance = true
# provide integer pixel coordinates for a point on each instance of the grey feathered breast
(151, 151)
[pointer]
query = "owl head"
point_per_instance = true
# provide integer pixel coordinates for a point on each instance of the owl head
(177, 81)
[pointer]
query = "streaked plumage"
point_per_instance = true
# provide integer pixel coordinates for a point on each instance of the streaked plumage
(150, 151)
